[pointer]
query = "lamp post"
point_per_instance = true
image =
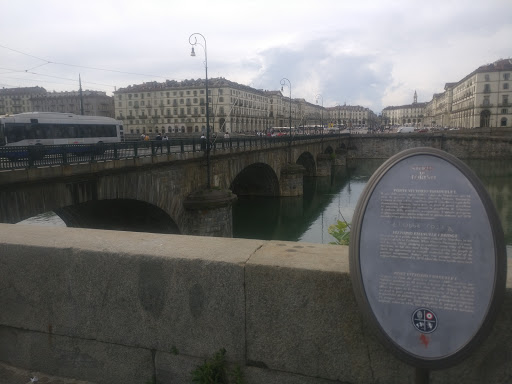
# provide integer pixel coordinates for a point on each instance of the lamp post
(319, 96)
(193, 54)
(283, 83)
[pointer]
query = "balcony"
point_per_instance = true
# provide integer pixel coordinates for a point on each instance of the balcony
(486, 105)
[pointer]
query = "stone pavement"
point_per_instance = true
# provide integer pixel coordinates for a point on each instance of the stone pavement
(13, 375)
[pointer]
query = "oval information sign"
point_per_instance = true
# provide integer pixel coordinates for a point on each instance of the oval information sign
(427, 257)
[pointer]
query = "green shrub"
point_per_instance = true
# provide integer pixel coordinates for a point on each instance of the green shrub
(341, 232)
(214, 371)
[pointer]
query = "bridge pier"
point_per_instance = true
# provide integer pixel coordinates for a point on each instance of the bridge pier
(209, 213)
(291, 182)
(323, 164)
(340, 159)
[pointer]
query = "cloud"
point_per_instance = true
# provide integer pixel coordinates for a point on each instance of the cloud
(368, 52)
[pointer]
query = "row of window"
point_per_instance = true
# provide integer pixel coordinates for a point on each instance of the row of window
(487, 87)
(167, 94)
(506, 77)
(175, 102)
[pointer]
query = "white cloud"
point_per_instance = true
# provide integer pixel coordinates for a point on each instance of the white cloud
(367, 52)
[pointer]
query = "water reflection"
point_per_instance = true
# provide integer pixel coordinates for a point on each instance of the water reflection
(305, 218)
(497, 178)
(329, 199)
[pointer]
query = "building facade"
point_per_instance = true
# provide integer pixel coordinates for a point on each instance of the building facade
(18, 100)
(405, 115)
(352, 116)
(482, 99)
(37, 99)
(180, 107)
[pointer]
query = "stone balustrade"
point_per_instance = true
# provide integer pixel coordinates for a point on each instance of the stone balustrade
(124, 307)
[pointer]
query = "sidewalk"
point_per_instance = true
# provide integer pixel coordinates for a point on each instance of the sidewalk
(13, 375)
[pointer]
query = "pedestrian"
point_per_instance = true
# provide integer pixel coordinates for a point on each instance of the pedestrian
(165, 141)
(158, 139)
(203, 143)
(213, 143)
(142, 136)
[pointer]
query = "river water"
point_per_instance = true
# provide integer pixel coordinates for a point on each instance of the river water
(328, 199)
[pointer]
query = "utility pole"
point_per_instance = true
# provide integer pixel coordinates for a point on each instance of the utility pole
(81, 96)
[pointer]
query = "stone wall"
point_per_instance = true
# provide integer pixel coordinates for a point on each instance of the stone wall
(120, 307)
(463, 147)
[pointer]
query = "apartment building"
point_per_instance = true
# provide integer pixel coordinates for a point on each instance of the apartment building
(481, 99)
(37, 99)
(95, 103)
(18, 100)
(408, 115)
(180, 107)
(351, 116)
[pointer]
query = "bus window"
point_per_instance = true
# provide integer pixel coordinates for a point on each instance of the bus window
(84, 131)
(72, 131)
(2, 135)
(13, 133)
(60, 131)
(40, 131)
(29, 132)
(110, 131)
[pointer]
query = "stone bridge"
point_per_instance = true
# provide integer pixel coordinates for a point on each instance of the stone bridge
(166, 192)
(160, 190)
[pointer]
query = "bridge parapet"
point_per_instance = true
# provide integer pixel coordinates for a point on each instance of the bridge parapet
(106, 306)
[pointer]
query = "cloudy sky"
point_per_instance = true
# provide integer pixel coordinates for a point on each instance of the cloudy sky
(373, 53)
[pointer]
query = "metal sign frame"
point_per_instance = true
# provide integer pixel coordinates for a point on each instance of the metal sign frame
(393, 255)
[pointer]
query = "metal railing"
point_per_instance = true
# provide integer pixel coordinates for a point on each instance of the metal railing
(14, 157)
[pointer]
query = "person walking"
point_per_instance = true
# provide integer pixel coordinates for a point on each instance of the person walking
(158, 139)
(165, 141)
(203, 143)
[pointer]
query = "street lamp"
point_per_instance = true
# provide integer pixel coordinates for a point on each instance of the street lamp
(322, 116)
(283, 83)
(193, 54)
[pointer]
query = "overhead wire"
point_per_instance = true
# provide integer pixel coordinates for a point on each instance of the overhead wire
(47, 62)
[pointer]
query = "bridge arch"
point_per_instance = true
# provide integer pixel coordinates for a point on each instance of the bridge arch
(307, 160)
(258, 179)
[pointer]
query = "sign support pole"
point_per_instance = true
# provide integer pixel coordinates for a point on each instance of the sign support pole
(422, 376)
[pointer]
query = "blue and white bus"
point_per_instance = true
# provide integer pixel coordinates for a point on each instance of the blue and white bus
(36, 134)
(52, 128)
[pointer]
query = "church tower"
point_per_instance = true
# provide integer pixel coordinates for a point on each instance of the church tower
(415, 98)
